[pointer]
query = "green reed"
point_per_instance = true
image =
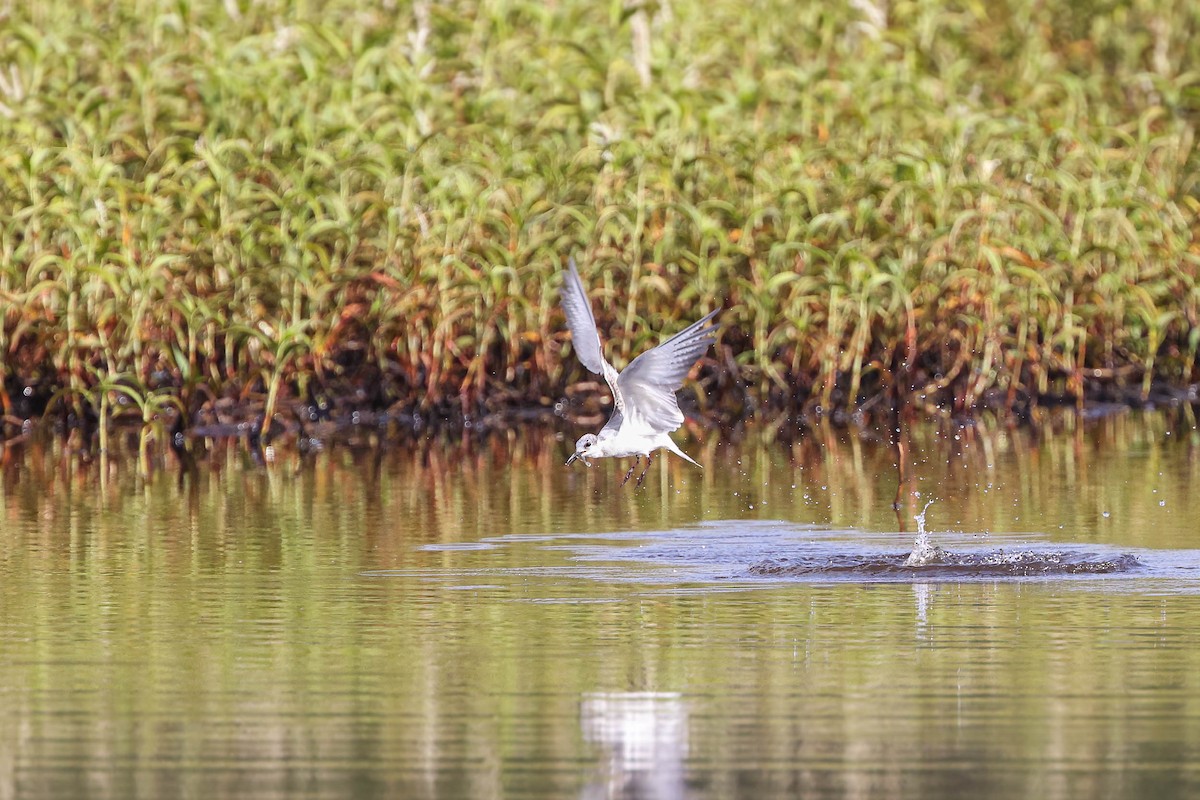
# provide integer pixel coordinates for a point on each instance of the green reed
(277, 200)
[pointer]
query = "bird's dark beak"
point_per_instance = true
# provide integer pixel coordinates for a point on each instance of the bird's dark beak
(572, 458)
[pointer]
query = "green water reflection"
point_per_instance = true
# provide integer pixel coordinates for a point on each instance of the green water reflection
(323, 625)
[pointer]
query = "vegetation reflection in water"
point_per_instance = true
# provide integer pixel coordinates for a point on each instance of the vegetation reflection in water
(309, 626)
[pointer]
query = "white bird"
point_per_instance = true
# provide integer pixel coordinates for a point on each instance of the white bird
(645, 407)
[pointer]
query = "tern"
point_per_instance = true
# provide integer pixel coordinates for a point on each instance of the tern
(645, 409)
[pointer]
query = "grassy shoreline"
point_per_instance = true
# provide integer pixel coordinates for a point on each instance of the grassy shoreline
(367, 205)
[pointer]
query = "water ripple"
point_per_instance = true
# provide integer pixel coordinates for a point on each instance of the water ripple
(1027, 563)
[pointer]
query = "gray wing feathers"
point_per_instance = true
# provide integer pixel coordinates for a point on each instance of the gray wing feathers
(649, 383)
(644, 394)
(667, 365)
(584, 336)
(581, 322)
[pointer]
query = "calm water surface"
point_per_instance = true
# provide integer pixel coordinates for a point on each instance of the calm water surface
(433, 620)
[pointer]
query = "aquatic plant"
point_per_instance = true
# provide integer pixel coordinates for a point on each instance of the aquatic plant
(279, 202)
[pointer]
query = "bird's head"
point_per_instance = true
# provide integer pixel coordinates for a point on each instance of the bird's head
(585, 448)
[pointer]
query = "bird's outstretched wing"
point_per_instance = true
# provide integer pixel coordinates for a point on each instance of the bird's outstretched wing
(649, 383)
(584, 336)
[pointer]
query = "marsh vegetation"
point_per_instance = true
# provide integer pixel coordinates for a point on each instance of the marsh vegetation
(213, 207)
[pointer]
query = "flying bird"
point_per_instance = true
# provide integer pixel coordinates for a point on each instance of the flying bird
(645, 409)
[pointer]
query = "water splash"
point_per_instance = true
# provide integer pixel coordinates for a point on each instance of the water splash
(948, 565)
(924, 552)
(734, 554)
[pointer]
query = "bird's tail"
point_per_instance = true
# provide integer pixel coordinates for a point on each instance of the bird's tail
(668, 444)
